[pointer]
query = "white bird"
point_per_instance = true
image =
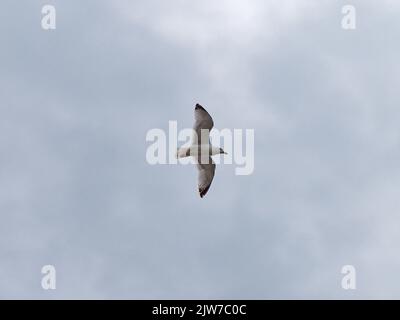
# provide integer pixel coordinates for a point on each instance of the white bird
(202, 149)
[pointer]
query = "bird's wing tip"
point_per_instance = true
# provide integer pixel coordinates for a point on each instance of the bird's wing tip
(198, 106)
(204, 191)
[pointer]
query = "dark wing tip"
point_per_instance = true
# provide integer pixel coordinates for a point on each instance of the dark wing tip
(204, 191)
(198, 106)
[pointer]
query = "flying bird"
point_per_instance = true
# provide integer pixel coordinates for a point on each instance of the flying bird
(201, 149)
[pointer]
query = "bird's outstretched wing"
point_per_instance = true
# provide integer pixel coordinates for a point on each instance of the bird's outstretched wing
(206, 176)
(202, 121)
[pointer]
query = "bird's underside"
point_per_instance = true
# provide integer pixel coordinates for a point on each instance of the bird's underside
(202, 127)
(201, 149)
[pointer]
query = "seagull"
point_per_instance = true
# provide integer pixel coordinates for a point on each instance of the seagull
(202, 149)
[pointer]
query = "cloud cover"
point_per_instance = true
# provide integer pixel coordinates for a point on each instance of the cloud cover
(76, 191)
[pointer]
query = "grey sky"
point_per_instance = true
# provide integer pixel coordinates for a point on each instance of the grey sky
(76, 191)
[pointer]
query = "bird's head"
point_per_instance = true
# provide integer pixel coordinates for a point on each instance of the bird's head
(222, 151)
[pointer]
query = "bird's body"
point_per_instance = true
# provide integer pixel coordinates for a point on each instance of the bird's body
(202, 150)
(198, 150)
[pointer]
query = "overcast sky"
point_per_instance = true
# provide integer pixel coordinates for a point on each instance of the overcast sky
(76, 191)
